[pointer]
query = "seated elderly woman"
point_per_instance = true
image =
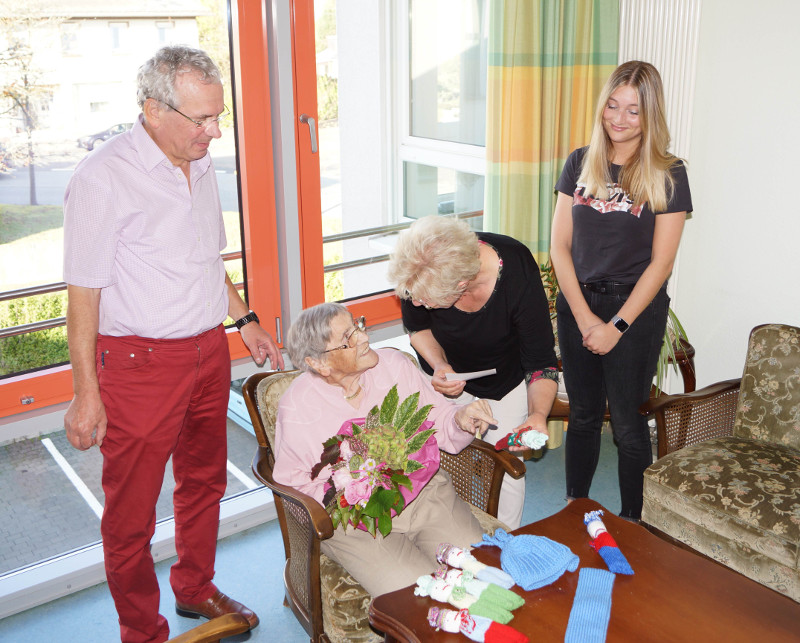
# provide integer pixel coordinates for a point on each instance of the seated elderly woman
(344, 379)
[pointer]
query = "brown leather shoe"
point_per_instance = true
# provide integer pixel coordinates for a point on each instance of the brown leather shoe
(217, 605)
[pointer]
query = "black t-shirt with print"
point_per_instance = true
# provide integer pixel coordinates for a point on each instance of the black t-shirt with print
(512, 332)
(612, 240)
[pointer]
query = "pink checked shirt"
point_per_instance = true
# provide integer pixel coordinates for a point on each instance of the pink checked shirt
(133, 229)
(311, 411)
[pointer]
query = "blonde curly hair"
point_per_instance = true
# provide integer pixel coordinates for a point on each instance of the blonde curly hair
(433, 259)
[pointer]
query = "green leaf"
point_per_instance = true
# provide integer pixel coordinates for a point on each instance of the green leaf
(389, 405)
(416, 420)
(369, 523)
(419, 440)
(380, 502)
(413, 466)
(406, 410)
(402, 480)
(385, 525)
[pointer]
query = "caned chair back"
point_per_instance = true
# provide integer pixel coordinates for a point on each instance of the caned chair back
(769, 394)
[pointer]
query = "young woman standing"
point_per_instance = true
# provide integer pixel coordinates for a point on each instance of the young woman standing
(619, 216)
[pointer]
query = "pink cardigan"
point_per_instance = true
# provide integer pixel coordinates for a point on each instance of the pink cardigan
(311, 411)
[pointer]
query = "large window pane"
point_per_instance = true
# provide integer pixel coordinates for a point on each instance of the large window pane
(69, 84)
(81, 91)
(448, 70)
(436, 190)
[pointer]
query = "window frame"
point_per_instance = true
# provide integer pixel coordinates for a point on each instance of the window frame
(51, 386)
(383, 307)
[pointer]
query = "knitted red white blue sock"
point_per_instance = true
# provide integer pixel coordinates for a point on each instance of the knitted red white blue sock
(475, 628)
(591, 608)
(605, 545)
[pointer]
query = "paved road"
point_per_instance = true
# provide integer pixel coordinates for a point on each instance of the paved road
(42, 511)
(52, 178)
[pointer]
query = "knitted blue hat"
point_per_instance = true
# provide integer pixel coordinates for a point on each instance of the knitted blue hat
(532, 561)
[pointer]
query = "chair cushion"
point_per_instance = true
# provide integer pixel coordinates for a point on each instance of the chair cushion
(769, 396)
(345, 602)
(737, 500)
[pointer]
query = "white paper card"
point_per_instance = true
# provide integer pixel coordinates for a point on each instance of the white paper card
(469, 376)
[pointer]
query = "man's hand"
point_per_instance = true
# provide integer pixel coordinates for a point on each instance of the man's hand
(85, 421)
(261, 345)
(475, 417)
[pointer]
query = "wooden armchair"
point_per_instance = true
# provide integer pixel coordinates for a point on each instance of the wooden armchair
(327, 601)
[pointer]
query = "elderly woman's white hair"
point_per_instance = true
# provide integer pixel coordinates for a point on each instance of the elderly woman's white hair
(310, 333)
(433, 259)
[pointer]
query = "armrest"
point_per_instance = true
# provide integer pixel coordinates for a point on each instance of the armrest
(477, 473)
(689, 418)
(319, 519)
(511, 464)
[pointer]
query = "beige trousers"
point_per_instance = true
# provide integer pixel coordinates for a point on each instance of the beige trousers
(383, 565)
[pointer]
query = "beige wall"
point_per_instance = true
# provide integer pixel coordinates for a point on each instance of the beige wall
(739, 262)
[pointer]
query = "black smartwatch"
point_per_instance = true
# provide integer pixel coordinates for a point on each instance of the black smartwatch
(249, 317)
(620, 324)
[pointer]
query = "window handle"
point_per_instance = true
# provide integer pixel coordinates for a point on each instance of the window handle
(312, 129)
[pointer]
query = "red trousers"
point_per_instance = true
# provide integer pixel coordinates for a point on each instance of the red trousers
(163, 398)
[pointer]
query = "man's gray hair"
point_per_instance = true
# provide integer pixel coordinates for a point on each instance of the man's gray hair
(311, 332)
(156, 77)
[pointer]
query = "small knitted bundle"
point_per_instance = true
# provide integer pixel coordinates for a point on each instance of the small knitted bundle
(532, 561)
(480, 589)
(591, 608)
(439, 589)
(526, 437)
(462, 559)
(475, 628)
(605, 545)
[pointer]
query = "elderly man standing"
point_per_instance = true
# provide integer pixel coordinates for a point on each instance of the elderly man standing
(148, 293)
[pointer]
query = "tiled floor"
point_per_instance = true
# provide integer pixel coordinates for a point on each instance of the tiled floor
(250, 565)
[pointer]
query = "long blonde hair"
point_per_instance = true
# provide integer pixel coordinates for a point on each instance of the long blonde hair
(646, 176)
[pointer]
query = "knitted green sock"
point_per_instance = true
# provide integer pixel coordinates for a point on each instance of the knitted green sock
(502, 597)
(487, 607)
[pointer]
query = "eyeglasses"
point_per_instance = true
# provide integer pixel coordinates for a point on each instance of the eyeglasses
(410, 296)
(206, 122)
(359, 325)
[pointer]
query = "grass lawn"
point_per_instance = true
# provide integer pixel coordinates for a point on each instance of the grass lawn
(32, 238)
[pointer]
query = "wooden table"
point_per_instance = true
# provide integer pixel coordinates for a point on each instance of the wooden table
(674, 595)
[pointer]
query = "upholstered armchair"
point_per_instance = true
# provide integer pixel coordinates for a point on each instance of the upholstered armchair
(727, 481)
(326, 600)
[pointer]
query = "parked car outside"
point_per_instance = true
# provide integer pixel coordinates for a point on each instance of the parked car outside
(93, 140)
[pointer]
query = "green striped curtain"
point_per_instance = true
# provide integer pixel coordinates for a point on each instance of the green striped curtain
(547, 62)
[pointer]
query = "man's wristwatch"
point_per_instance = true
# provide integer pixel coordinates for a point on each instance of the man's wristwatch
(620, 324)
(249, 317)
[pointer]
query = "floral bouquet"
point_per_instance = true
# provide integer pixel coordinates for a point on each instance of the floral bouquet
(372, 458)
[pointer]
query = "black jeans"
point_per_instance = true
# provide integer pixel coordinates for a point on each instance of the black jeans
(623, 377)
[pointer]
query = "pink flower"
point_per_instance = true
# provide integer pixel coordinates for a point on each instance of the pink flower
(341, 478)
(358, 491)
